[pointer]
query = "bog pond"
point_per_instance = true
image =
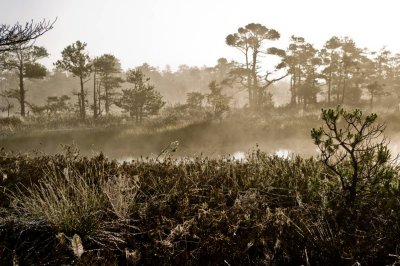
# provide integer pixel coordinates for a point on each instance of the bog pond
(194, 140)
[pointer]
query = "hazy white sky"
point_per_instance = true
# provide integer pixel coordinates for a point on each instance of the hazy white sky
(193, 32)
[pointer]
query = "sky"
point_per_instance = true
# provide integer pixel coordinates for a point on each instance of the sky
(192, 32)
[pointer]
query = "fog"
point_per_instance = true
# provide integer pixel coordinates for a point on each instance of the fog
(203, 139)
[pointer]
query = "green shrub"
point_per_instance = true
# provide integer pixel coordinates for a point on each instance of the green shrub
(354, 150)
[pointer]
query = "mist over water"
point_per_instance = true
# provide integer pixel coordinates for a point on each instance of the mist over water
(204, 139)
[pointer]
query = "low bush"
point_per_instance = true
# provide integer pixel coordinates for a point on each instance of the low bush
(10, 121)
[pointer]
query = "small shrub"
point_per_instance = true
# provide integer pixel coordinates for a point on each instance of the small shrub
(10, 121)
(355, 150)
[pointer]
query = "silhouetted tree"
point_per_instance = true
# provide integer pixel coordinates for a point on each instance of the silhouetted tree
(392, 77)
(142, 99)
(13, 36)
(310, 87)
(23, 60)
(302, 62)
(218, 101)
(374, 89)
(194, 99)
(349, 66)
(76, 60)
(249, 40)
(379, 74)
(221, 71)
(330, 59)
(107, 66)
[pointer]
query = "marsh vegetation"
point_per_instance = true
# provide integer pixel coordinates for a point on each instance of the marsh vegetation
(339, 208)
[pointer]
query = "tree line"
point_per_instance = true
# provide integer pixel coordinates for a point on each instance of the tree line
(340, 72)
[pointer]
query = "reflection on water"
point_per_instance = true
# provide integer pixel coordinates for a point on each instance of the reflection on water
(126, 159)
(207, 140)
(283, 153)
(239, 156)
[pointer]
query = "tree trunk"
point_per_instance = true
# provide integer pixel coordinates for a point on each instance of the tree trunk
(298, 83)
(256, 92)
(329, 85)
(293, 96)
(344, 89)
(338, 90)
(249, 81)
(83, 112)
(99, 111)
(107, 100)
(20, 69)
(353, 186)
(79, 103)
(95, 113)
(137, 115)
(21, 91)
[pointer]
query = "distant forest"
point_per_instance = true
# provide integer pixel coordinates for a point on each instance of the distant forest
(340, 72)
